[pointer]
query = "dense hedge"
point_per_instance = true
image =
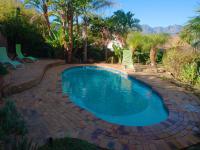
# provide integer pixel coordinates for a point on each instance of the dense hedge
(184, 65)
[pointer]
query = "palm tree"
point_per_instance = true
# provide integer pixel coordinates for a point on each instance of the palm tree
(191, 32)
(153, 42)
(70, 16)
(150, 42)
(43, 7)
(123, 23)
(134, 40)
(87, 9)
(64, 11)
(101, 28)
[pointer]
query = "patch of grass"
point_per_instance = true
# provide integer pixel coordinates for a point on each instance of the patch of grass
(194, 147)
(11, 122)
(69, 144)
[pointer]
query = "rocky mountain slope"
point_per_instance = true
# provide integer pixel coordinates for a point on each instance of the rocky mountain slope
(172, 29)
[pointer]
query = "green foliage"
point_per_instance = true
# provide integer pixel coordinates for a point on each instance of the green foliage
(69, 144)
(8, 8)
(26, 27)
(118, 51)
(154, 40)
(55, 40)
(122, 23)
(191, 32)
(13, 129)
(20, 31)
(3, 70)
(159, 56)
(141, 57)
(22, 143)
(98, 24)
(96, 53)
(135, 40)
(184, 65)
(197, 84)
(188, 73)
(141, 45)
(11, 122)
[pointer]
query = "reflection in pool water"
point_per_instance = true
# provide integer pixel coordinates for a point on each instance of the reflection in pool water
(112, 96)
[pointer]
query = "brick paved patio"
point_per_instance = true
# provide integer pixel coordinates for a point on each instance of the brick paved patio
(50, 114)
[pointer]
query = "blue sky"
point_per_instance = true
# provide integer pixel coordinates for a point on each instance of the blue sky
(159, 12)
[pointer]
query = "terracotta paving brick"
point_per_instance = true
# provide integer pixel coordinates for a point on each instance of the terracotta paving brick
(53, 114)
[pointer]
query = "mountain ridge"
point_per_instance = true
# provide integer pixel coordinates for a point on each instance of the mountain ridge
(171, 29)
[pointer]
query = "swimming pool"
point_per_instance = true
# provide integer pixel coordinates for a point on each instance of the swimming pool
(113, 96)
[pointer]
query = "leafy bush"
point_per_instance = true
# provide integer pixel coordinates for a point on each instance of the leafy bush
(188, 73)
(22, 143)
(11, 122)
(197, 84)
(3, 70)
(69, 144)
(184, 65)
(159, 56)
(141, 57)
(21, 31)
(13, 129)
(96, 53)
(118, 51)
(24, 26)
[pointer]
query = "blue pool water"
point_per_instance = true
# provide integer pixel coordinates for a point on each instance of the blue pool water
(113, 96)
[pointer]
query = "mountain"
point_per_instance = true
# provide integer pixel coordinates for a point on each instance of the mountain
(172, 29)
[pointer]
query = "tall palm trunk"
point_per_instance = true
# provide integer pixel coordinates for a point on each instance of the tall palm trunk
(46, 16)
(153, 54)
(64, 41)
(70, 32)
(77, 25)
(85, 38)
(78, 33)
(105, 37)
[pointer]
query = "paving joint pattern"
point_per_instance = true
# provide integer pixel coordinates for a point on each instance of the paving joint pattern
(56, 116)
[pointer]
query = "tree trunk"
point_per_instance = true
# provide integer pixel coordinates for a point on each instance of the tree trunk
(153, 54)
(70, 32)
(46, 16)
(85, 32)
(78, 34)
(77, 25)
(64, 41)
(105, 37)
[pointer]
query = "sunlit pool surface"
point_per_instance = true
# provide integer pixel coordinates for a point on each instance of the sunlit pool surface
(113, 96)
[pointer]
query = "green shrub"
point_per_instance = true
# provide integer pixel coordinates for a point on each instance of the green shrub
(141, 57)
(96, 53)
(3, 70)
(159, 56)
(188, 73)
(118, 52)
(197, 84)
(183, 64)
(23, 143)
(69, 144)
(11, 122)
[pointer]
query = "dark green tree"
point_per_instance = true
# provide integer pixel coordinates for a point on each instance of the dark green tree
(123, 23)
(191, 32)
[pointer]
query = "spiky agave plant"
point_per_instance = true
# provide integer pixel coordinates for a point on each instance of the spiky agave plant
(23, 143)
